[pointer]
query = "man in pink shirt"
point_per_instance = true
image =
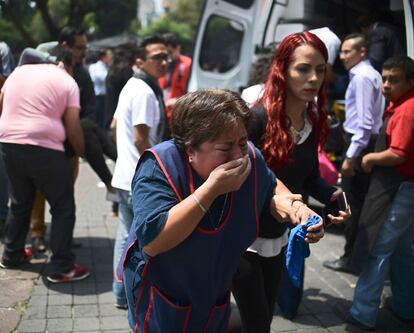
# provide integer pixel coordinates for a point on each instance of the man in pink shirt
(39, 108)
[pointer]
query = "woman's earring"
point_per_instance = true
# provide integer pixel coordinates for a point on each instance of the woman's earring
(190, 159)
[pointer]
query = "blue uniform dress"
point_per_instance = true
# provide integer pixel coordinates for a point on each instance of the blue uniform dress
(187, 289)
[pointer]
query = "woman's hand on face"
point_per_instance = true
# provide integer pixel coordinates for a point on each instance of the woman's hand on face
(230, 176)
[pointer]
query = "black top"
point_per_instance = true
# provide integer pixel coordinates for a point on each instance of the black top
(300, 175)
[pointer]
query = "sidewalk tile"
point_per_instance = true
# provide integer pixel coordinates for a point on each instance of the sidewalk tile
(85, 310)
(60, 299)
(60, 325)
(114, 323)
(86, 324)
(59, 311)
(33, 325)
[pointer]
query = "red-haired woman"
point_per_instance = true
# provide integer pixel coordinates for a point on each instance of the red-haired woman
(289, 122)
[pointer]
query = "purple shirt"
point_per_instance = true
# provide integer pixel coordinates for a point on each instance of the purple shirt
(364, 105)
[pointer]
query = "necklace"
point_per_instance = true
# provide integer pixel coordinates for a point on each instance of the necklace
(210, 216)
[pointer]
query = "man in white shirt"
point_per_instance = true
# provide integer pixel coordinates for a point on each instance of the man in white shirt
(98, 72)
(140, 123)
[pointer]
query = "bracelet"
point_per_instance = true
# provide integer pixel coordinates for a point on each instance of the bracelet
(199, 204)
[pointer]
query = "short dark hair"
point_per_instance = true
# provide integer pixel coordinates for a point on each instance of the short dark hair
(68, 33)
(154, 39)
(204, 115)
(402, 62)
(360, 41)
(62, 54)
(170, 39)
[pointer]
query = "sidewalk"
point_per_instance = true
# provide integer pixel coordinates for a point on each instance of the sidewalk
(29, 303)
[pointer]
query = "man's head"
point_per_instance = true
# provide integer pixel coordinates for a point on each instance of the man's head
(397, 77)
(365, 24)
(153, 56)
(354, 49)
(75, 39)
(106, 56)
(64, 57)
(173, 46)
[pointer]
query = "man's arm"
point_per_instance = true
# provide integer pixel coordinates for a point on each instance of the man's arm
(385, 158)
(141, 138)
(73, 130)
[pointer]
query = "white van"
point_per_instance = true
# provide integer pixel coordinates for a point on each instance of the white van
(230, 31)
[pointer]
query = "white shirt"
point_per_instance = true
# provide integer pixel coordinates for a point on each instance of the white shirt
(137, 105)
(98, 72)
(252, 94)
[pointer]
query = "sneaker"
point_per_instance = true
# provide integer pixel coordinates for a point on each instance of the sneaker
(39, 244)
(75, 274)
(10, 264)
(121, 306)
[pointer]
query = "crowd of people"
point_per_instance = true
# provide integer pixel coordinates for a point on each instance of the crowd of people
(212, 187)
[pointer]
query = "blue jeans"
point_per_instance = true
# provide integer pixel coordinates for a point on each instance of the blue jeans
(126, 216)
(393, 253)
(4, 191)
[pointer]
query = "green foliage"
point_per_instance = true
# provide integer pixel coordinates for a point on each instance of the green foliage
(26, 24)
(166, 24)
(114, 17)
(182, 22)
(10, 35)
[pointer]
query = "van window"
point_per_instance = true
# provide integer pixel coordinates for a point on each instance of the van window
(241, 3)
(222, 40)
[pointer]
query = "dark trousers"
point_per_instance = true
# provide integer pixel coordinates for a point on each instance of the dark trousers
(356, 188)
(100, 111)
(254, 288)
(97, 145)
(30, 169)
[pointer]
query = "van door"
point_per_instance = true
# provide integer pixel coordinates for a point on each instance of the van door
(225, 43)
(409, 26)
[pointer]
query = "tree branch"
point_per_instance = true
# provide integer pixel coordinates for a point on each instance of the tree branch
(42, 6)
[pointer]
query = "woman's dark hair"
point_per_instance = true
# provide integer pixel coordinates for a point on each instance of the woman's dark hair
(403, 63)
(278, 141)
(204, 115)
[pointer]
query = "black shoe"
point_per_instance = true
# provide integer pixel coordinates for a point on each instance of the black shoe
(342, 311)
(387, 304)
(339, 265)
(39, 244)
(10, 264)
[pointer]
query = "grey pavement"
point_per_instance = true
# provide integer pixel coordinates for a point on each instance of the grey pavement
(28, 303)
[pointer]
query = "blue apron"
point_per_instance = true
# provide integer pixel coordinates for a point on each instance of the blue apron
(187, 289)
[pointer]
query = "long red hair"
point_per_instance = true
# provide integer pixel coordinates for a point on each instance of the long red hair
(278, 141)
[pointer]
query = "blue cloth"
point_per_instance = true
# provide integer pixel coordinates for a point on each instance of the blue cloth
(297, 250)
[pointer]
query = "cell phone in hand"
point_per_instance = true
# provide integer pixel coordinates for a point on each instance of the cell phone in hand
(333, 208)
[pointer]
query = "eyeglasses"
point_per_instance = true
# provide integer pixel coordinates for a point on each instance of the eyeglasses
(160, 57)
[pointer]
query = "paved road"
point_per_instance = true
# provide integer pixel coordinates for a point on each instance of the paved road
(28, 303)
